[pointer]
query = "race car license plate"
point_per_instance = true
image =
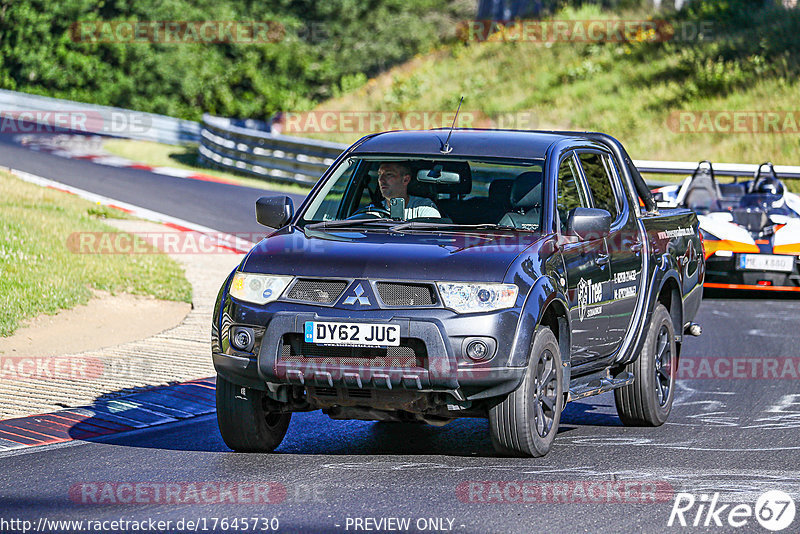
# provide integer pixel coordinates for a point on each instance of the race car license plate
(356, 334)
(766, 262)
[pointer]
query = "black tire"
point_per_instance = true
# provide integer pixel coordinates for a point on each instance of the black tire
(526, 422)
(244, 421)
(648, 401)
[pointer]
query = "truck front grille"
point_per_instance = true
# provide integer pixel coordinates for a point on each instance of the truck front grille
(316, 290)
(404, 294)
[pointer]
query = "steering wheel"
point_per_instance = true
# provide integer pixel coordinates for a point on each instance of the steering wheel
(371, 209)
(759, 180)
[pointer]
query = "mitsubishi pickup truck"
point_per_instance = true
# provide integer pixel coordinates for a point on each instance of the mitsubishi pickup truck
(432, 275)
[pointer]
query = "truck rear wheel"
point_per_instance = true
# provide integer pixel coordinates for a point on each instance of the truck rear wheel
(245, 421)
(525, 423)
(648, 401)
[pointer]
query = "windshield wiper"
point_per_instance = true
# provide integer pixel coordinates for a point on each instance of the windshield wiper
(419, 225)
(343, 223)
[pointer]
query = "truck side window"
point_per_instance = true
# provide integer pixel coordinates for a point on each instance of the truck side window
(595, 170)
(570, 195)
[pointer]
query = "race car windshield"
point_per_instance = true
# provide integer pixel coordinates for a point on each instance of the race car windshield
(435, 193)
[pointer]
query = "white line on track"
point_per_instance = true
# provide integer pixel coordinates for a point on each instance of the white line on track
(228, 240)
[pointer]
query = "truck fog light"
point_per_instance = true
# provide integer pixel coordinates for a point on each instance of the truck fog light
(242, 339)
(477, 350)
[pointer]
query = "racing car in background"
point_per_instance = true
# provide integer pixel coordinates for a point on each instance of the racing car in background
(750, 229)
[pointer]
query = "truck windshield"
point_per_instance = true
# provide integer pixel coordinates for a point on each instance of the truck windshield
(450, 192)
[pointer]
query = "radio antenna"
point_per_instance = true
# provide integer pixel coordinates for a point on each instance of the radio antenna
(446, 149)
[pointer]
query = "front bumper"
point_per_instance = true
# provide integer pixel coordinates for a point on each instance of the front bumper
(437, 338)
(722, 273)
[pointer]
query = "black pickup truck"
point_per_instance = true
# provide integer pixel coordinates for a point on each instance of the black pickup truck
(438, 274)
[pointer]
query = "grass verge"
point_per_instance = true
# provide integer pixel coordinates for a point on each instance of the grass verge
(41, 275)
(185, 157)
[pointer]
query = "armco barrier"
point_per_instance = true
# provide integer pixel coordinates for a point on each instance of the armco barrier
(720, 169)
(302, 161)
(18, 108)
(277, 157)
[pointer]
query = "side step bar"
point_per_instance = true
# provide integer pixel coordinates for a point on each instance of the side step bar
(586, 386)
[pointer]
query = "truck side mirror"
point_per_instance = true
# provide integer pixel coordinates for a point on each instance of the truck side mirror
(589, 223)
(274, 212)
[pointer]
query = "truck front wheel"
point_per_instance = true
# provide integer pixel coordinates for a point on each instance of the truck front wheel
(245, 420)
(648, 401)
(525, 423)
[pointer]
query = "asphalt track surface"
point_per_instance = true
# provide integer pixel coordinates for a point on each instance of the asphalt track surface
(224, 207)
(729, 433)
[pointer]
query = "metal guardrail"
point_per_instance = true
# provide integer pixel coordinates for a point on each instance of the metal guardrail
(277, 157)
(720, 169)
(302, 161)
(20, 112)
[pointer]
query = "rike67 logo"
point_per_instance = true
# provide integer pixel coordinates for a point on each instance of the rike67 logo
(774, 510)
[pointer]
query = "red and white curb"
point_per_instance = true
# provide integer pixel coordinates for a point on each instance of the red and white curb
(144, 409)
(226, 241)
(103, 158)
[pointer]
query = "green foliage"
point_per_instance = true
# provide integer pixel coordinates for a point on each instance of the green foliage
(632, 90)
(745, 41)
(325, 48)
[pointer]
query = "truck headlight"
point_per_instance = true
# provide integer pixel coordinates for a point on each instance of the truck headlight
(471, 298)
(258, 288)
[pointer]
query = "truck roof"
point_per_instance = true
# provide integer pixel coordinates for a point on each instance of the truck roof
(517, 144)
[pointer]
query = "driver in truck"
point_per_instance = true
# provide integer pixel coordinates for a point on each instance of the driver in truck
(393, 180)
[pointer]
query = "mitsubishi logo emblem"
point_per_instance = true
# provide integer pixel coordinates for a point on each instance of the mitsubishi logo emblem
(359, 297)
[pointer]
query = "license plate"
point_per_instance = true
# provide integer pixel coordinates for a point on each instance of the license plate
(766, 262)
(357, 334)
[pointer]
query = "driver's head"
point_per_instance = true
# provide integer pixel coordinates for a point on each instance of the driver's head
(393, 180)
(769, 187)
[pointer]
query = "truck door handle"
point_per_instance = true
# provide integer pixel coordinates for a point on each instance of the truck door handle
(637, 247)
(602, 259)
